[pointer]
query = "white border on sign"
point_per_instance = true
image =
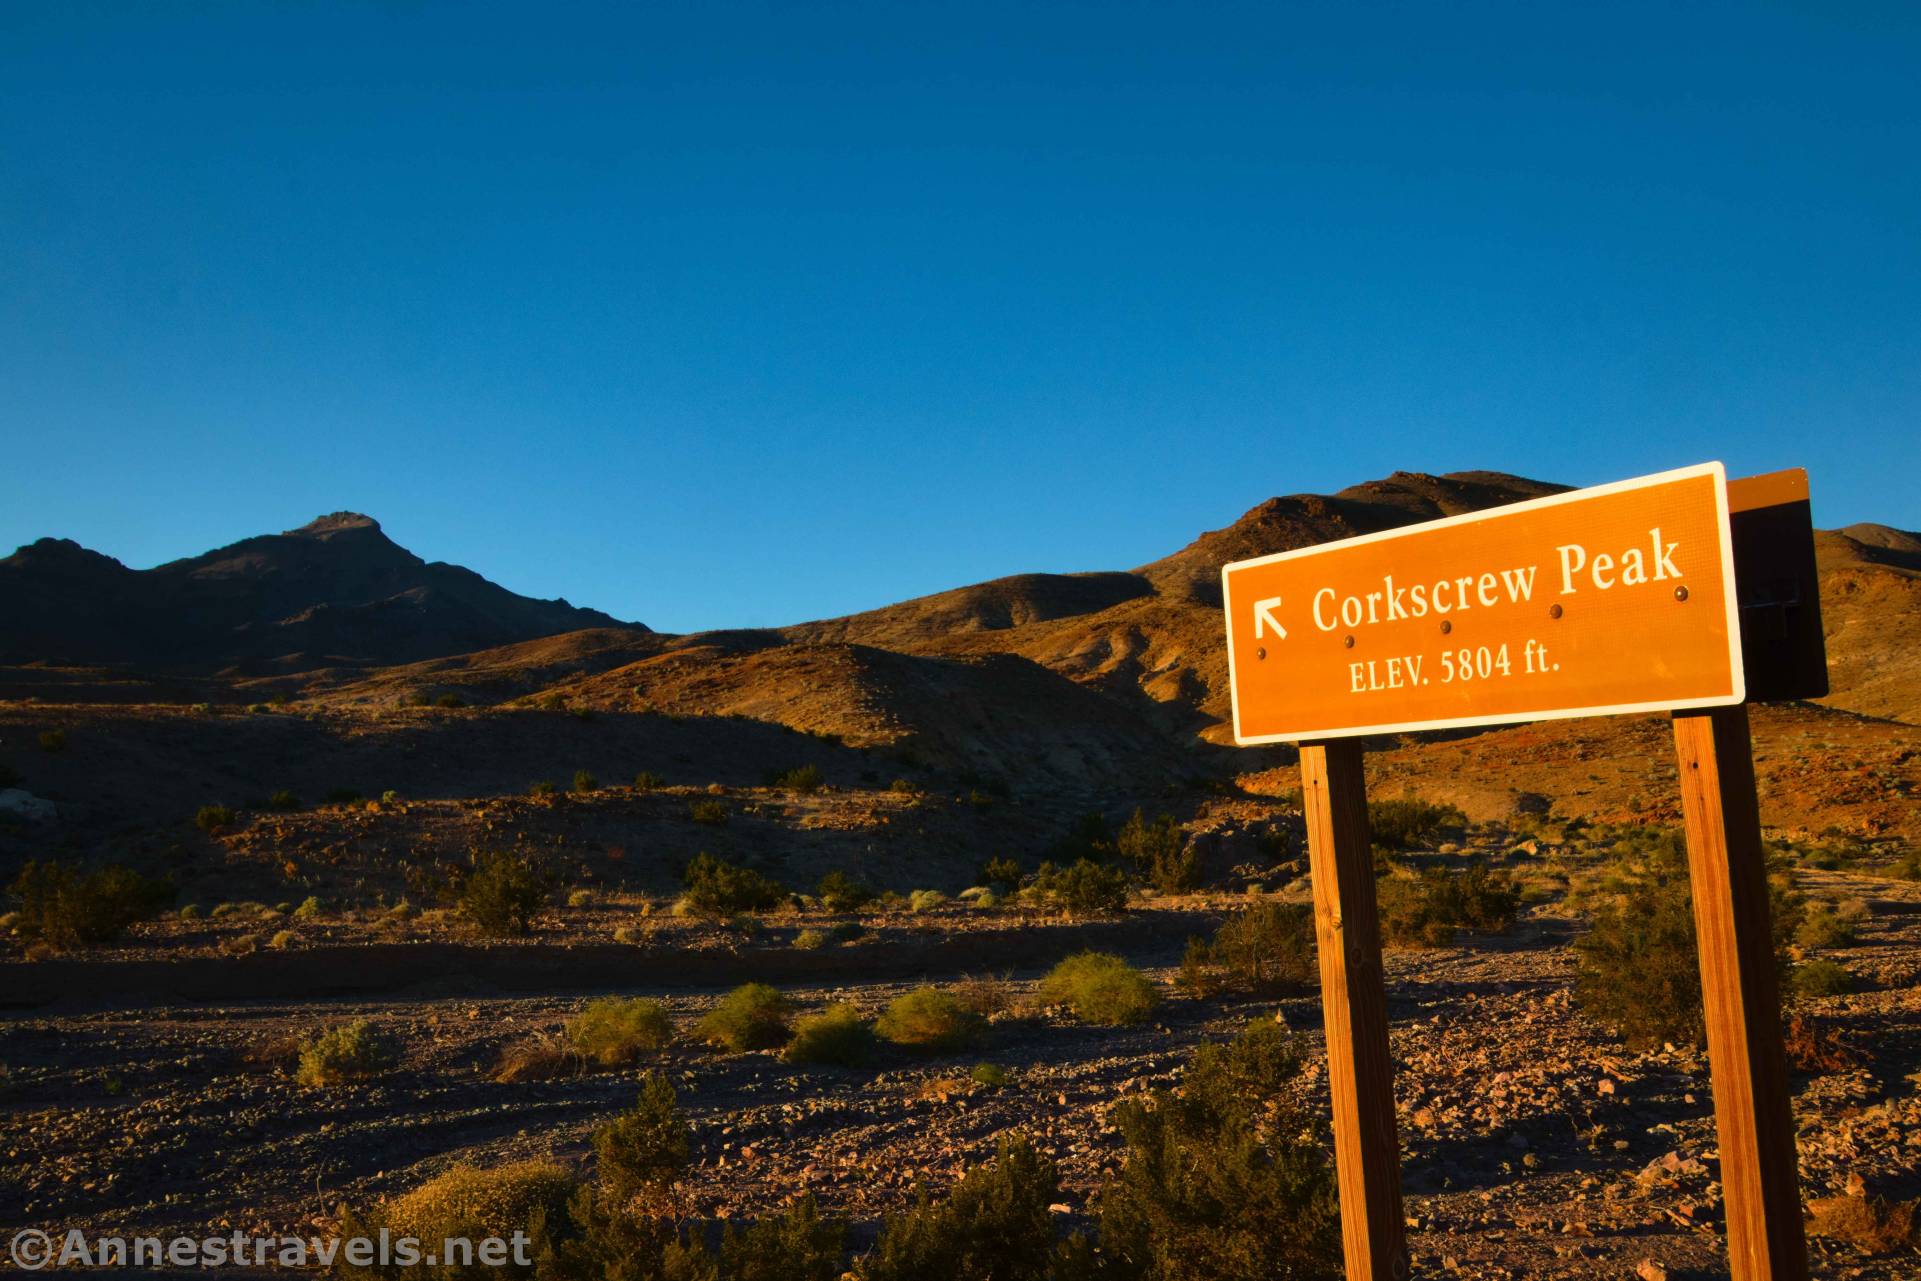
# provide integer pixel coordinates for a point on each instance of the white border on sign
(1740, 691)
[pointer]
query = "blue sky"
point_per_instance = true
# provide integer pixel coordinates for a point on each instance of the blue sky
(719, 314)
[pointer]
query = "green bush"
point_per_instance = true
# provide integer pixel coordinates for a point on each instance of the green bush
(925, 900)
(283, 801)
(1004, 872)
(1411, 824)
(1823, 927)
(648, 781)
(709, 813)
(806, 778)
(838, 1036)
(350, 1052)
(469, 1203)
(344, 796)
(584, 781)
(716, 887)
(1426, 912)
(991, 1075)
(542, 787)
(1160, 853)
(1267, 948)
(994, 1225)
(53, 740)
(310, 907)
(811, 940)
(644, 1149)
(1821, 978)
(930, 1020)
(62, 907)
(1638, 969)
(1085, 889)
(450, 701)
(795, 1245)
(213, 818)
(1100, 988)
(751, 1017)
(1221, 1181)
(503, 894)
(839, 892)
(616, 1030)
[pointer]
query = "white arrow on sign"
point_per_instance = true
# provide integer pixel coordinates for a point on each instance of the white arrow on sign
(1264, 616)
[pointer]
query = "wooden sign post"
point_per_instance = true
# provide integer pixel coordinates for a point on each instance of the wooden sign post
(1622, 598)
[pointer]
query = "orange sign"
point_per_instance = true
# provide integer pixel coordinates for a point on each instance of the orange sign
(1613, 599)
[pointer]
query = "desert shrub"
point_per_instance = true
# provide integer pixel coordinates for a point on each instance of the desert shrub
(1004, 872)
(751, 1017)
(310, 907)
(648, 781)
(644, 1148)
(191, 912)
(503, 893)
(349, 1052)
(615, 1030)
(1638, 967)
(930, 1020)
(839, 892)
(991, 1075)
(1426, 911)
(1409, 823)
(450, 701)
(716, 887)
(837, 1035)
(805, 778)
(1908, 866)
(53, 740)
(344, 796)
(580, 898)
(1821, 978)
(282, 939)
(1085, 889)
(472, 1203)
(924, 900)
(812, 940)
(283, 801)
(541, 787)
(1221, 1181)
(994, 1225)
(584, 781)
(795, 1245)
(847, 931)
(985, 994)
(1265, 949)
(903, 786)
(1870, 1224)
(631, 934)
(59, 906)
(212, 818)
(1100, 988)
(1160, 853)
(709, 813)
(1824, 927)
(1815, 1045)
(538, 1058)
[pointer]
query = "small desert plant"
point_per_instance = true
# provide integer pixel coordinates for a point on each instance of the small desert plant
(903, 787)
(1085, 889)
(838, 1035)
(985, 994)
(53, 740)
(1265, 949)
(450, 701)
(580, 898)
(310, 907)
(994, 1225)
(631, 934)
(61, 907)
(648, 781)
(710, 813)
(930, 1020)
(1004, 872)
(1870, 1224)
(644, 1148)
(795, 1245)
(470, 1203)
(1410, 824)
(804, 779)
(542, 787)
(584, 781)
(350, 1052)
(1824, 927)
(811, 940)
(191, 912)
(1160, 853)
(1426, 911)
(283, 801)
(344, 796)
(213, 818)
(615, 1030)
(282, 939)
(538, 1058)
(751, 1017)
(716, 887)
(925, 900)
(1821, 978)
(502, 894)
(839, 892)
(1222, 1181)
(1100, 988)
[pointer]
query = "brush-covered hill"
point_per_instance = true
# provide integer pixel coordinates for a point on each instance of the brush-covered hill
(336, 590)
